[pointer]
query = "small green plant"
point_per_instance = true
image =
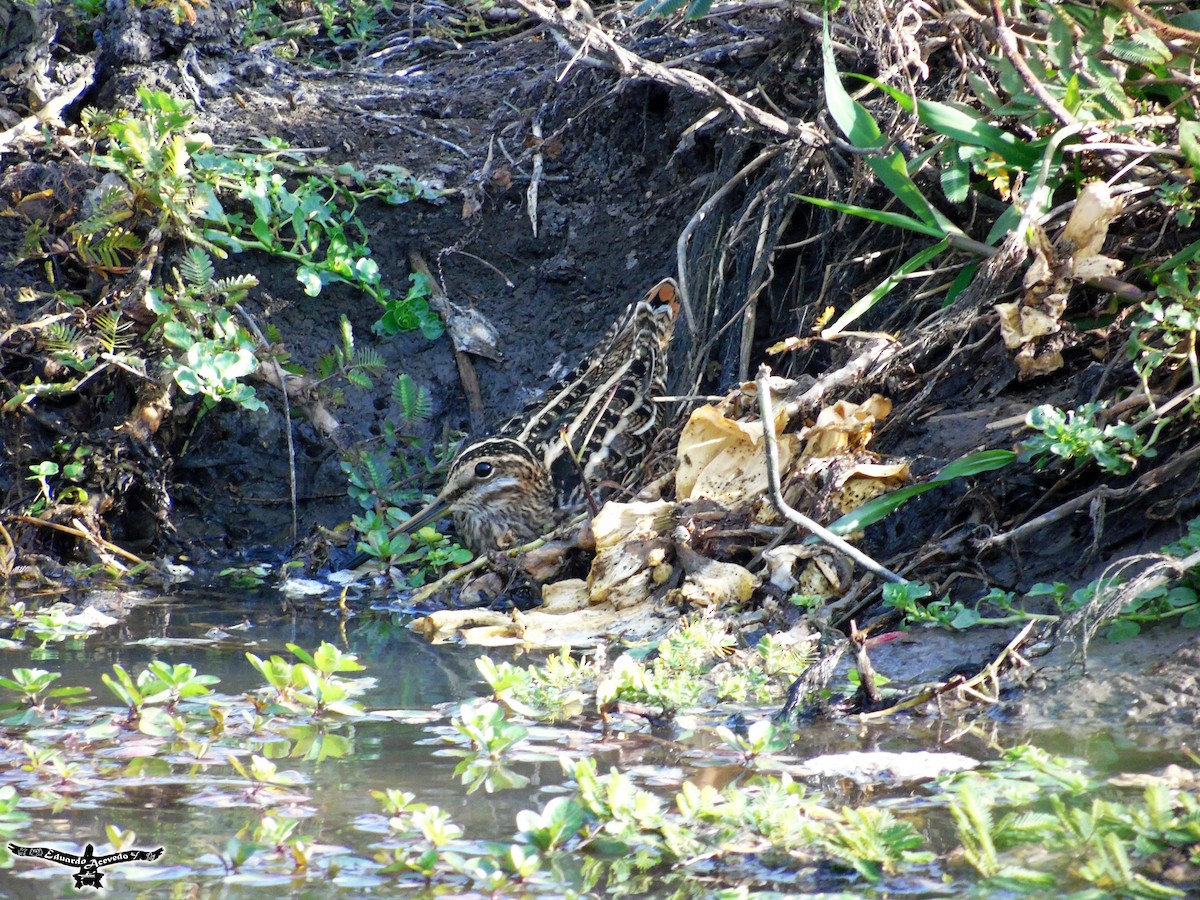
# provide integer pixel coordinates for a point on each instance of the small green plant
(345, 26)
(484, 725)
(314, 684)
(411, 312)
(197, 318)
(33, 686)
(762, 738)
(153, 155)
(247, 576)
(875, 843)
(1074, 435)
(423, 555)
(359, 366)
(1163, 339)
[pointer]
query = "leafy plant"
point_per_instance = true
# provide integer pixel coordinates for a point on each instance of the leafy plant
(33, 686)
(314, 684)
(422, 555)
(1074, 435)
(153, 155)
(196, 317)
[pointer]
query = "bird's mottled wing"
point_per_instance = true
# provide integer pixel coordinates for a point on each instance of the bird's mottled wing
(605, 403)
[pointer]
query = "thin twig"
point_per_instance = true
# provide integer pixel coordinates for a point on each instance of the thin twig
(1008, 45)
(531, 192)
(466, 370)
(685, 236)
(987, 673)
(768, 422)
(1146, 482)
(81, 532)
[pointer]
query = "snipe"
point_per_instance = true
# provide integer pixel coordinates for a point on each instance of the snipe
(594, 425)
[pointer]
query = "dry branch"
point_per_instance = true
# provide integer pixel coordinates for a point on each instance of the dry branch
(767, 415)
(577, 24)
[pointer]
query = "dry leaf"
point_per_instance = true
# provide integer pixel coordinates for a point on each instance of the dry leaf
(864, 482)
(567, 596)
(1056, 267)
(712, 583)
(724, 460)
(845, 426)
(631, 542)
(1087, 228)
(445, 624)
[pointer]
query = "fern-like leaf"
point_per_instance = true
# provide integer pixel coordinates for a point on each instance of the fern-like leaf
(416, 405)
(115, 336)
(197, 268)
(62, 337)
(378, 476)
(234, 289)
(369, 359)
(111, 209)
(327, 365)
(104, 252)
(359, 379)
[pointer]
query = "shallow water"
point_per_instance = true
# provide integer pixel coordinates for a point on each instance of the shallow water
(193, 807)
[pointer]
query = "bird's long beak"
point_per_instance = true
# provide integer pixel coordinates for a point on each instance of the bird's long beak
(436, 509)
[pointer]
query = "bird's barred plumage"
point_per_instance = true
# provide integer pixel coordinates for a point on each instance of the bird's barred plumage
(593, 425)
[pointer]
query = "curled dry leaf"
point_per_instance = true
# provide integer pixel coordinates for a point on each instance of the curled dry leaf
(866, 481)
(712, 583)
(826, 575)
(808, 569)
(844, 426)
(632, 540)
(445, 624)
(724, 460)
(1055, 269)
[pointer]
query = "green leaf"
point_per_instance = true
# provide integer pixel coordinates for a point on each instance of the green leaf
(860, 128)
(1189, 142)
(177, 334)
(956, 176)
(308, 277)
(965, 127)
(965, 619)
(1122, 630)
(658, 7)
(961, 282)
(881, 507)
(884, 288)
(898, 220)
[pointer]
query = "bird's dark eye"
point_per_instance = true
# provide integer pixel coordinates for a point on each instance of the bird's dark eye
(483, 470)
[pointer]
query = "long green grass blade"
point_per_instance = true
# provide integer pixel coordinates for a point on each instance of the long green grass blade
(884, 288)
(965, 127)
(898, 220)
(862, 131)
(881, 507)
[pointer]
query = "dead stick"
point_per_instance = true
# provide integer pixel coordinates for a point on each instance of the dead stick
(1008, 45)
(792, 515)
(685, 236)
(577, 23)
(1146, 482)
(82, 534)
(986, 673)
(466, 370)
